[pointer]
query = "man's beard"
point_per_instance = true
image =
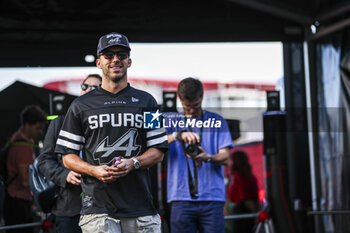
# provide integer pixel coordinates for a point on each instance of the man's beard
(114, 79)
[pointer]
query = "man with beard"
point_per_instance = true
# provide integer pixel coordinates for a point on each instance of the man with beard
(107, 125)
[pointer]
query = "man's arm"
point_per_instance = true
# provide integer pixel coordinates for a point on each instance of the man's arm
(149, 158)
(171, 138)
(23, 170)
(220, 158)
(187, 137)
(191, 138)
(146, 160)
(109, 174)
(75, 163)
(48, 160)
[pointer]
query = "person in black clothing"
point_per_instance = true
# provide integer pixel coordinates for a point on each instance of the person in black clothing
(105, 124)
(68, 204)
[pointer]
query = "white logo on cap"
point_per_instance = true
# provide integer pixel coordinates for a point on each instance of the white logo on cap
(113, 35)
(114, 41)
(115, 38)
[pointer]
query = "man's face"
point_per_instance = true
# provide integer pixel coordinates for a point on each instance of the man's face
(35, 130)
(114, 63)
(192, 108)
(91, 83)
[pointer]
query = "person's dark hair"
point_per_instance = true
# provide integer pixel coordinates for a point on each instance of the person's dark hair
(93, 75)
(190, 89)
(241, 163)
(32, 114)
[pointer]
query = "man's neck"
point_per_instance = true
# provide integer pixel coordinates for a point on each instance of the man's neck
(23, 131)
(114, 87)
(199, 114)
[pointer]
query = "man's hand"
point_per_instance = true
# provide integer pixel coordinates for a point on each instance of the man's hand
(203, 156)
(105, 173)
(73, 178)
(190, 137)
(123, 168)
(110, 174)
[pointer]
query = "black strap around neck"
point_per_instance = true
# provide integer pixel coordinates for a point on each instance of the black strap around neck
(193, 185)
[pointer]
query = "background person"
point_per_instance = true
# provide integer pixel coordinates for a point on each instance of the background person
(91, 82)
(18, 201)
(203, 210)
(243, 192)
(106, 123)
(68, 204)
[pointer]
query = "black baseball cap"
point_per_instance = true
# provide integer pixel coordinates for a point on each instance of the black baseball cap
(112, 39)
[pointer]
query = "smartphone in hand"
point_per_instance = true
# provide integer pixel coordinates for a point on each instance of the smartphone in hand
(117, 160)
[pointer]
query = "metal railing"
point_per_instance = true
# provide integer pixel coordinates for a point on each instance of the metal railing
(264, 222)
(45, 225)
(241, 216)
(267, 225)
(328, 212)
(18, 226)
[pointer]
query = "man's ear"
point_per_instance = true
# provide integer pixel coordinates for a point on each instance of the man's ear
(98, 63)
(129, 62)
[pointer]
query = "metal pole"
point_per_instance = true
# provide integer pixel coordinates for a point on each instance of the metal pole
(328, 212)
(50, 104)
(310, 129)
(18, 226)
(241, 216)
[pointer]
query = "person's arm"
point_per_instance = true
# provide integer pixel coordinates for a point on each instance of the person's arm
(103, 172)
(187, 137)
(146, 160)
(224, 142)
(220, 158)
(108, 173)
(23, 170)
(191, 138)
(171, 138)
(48, 162)
(149, 158)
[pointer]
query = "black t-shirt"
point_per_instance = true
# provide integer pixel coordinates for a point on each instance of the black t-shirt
(104, 125)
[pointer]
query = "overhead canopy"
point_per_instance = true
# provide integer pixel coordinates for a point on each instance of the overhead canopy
(61, 32)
